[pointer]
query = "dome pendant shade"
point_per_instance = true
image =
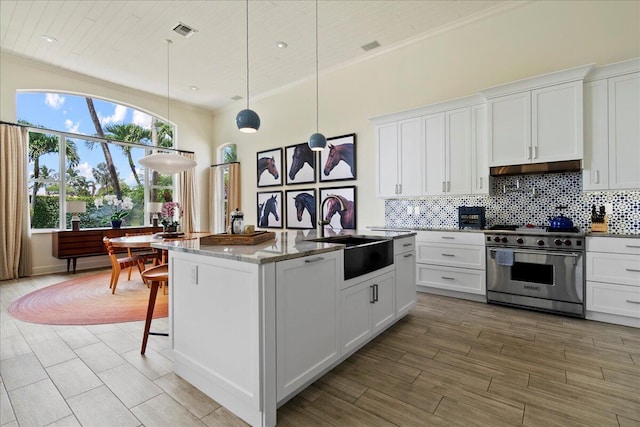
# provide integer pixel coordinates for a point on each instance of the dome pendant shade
(167, 163)
(248, 121)
(317, 142)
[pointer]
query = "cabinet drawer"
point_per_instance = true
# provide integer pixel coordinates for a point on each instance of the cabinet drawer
(455, 279)
(451, 237)
(618, 245)
(406, 244)
(451, 255)
(613, 299)
(613, 268)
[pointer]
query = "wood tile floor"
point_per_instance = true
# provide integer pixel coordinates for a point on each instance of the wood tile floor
(448, 363)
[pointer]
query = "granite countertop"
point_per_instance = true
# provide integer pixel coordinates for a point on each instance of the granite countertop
(288, 244)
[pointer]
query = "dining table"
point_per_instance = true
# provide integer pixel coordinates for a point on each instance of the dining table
(145, 240)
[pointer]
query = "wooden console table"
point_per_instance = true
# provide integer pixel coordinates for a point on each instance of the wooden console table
(71, 245)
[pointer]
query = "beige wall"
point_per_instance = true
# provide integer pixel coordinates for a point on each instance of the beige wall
(533, 39)
(194, 130)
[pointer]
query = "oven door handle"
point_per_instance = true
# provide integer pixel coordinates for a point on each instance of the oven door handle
(571, 254)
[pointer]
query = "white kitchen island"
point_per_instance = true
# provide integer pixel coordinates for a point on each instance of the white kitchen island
(251, 326)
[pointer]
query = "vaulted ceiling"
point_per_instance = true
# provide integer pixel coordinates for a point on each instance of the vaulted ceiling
(124, 41)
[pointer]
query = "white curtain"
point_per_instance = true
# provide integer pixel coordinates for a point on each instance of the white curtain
(189, 198)
(15, 230)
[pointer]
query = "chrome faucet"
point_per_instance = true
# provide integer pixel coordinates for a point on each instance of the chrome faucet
(324, 222)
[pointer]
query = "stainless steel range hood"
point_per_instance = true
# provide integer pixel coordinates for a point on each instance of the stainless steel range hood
(537, 168)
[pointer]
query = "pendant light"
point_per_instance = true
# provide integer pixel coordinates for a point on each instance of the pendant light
(317, 141)
(167, 163)
(248, 120)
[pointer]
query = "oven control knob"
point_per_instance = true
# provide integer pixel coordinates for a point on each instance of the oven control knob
(496, 239)
(520, 240)
(558, 242)
(567, 242)
(540, 242)
(504, 240)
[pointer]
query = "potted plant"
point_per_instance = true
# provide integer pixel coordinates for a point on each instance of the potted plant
(114, 209)
(171, 212)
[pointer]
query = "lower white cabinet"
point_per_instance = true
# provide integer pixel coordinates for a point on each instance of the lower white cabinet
(405, 261)
(613, 280)
(367, 308)
(307, 319)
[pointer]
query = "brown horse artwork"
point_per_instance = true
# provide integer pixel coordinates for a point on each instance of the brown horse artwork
(337, 154)
(267, 164)
(347, 215)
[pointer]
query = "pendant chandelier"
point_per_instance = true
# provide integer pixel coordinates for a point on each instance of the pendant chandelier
(317, 141)
(248, 120)
(167, 163)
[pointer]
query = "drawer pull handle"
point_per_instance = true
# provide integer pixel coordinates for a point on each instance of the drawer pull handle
(316, 259)
(633, 270)
(633, 302)
(448, 255)
(448, 237)
(407, 245)
(408, 255)
(633, 246)
(448, 278)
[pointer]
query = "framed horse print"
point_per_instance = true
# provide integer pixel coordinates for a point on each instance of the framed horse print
(300, 164)
(269, 165)
(301, 208)
(338, 160)
(339, 207)
(269, 209)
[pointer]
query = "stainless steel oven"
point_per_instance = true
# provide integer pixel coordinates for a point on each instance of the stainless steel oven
(538, 270)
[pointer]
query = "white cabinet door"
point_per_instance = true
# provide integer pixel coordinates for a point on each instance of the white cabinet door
(387, 161)
(556, 123)
(405, 282)
(479, 157)
(357, 326)
(307, 319)
(410, 168)
(624, 131)
(384, 306)
(596, 136)
(434, 154)
(509, 129)
(458, 151)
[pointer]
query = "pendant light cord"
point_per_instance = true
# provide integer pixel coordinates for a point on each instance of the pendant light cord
(247, 28)
(168, 41)
(317, 74)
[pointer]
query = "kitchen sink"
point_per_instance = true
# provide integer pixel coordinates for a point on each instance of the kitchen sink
(362, 254)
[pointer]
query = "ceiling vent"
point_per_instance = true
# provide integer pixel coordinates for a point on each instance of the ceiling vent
(374, 44)
(184, 30)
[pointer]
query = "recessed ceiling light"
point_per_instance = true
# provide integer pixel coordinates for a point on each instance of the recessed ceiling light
(281, 44)
(374, 44)
(49, 39)
(236, 98)
(194, 88)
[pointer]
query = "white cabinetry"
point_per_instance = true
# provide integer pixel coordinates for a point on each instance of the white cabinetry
(479, 158)
(367, 308)
(612, 128)
(307, 319)
(451, 263)
(447, 138)
(404, 251)
(613, 280)
(399, 158)
(536, 120)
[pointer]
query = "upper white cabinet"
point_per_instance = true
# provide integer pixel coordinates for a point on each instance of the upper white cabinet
(536, 120)
(612, 127)
(399, 158)
(479, 158)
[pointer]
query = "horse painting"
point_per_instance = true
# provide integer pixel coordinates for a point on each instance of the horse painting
(347, 215)
(269, 207)
(267, 164)
(302, 155)
(338, 153)
(306, 201)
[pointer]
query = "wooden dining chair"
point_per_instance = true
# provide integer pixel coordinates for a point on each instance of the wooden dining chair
(117, 264)
(156, 276)
(145, 255)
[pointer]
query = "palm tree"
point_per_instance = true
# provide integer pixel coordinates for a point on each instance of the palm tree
(110, 166)
(103, 177)
(128, 132)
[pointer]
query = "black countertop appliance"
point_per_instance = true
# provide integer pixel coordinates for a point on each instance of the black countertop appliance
(471, 217)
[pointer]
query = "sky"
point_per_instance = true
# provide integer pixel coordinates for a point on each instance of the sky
(70, 113)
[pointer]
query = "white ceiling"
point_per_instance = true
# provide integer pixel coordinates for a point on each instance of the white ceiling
(123, 41)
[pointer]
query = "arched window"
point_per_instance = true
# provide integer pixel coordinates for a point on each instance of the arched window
(89, 148)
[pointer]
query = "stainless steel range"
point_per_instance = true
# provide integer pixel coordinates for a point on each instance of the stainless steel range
(536, 269)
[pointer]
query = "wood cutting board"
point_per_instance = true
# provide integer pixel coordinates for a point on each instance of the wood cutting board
(238, 239)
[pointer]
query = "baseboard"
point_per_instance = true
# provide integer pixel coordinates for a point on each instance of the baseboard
(452, 294)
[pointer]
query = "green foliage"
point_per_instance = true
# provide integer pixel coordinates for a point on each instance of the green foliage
(45, 213)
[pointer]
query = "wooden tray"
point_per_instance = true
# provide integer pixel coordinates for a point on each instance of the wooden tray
(238, 239)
